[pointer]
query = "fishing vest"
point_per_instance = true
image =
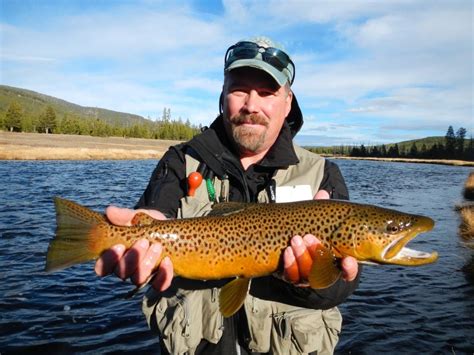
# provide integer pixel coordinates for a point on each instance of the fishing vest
(185, 317)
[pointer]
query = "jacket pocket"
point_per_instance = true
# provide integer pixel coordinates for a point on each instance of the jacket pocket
(278, 328)
(303, 331)
(184, 319)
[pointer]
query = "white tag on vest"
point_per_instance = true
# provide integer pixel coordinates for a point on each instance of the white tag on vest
(293, 193)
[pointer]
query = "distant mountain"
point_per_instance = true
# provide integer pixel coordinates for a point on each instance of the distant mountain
(33, 103)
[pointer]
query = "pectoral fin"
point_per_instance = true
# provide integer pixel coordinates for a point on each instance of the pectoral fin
(324, 271)
(233, 295)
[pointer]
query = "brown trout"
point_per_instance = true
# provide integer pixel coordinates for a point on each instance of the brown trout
(243, 241)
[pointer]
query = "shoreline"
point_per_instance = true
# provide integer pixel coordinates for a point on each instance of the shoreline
(406, 160)
(41, 146)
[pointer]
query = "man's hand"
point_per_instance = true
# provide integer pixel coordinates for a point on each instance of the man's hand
(297, 258)
(139, 261)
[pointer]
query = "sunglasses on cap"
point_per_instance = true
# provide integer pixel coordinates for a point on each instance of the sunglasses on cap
(249, 50)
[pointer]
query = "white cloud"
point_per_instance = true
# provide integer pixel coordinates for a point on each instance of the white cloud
(379, 64)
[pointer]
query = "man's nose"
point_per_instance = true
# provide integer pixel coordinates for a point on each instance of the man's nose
(252, 103)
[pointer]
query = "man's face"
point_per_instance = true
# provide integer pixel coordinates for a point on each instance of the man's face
(255, 108)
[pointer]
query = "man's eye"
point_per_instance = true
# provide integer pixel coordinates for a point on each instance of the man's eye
(265, 92)
(237, 91)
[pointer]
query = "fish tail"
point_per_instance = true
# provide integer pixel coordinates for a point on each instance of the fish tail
(80, 235)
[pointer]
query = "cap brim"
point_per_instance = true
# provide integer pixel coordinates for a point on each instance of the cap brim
(279, 76)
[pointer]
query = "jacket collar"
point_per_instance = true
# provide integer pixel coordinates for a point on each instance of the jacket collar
(213, 147)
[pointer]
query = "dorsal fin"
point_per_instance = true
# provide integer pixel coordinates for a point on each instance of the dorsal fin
(227, 208)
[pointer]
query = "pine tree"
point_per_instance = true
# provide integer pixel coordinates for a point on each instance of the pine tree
(47, 120)
(413, 153)
(13, 117)
(460, 136)
(450, 140)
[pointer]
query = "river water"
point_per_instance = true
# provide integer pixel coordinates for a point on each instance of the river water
(398, 310)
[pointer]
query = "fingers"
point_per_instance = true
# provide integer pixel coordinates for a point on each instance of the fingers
(147, 264)
(350, 268)
(132, 259)
(119, 216)
(311, 243)
(124, 216)
(298, 258)
(290, 266)
(138, 263)
(106, 263)
(303, 258)
(322, 195)
(140, 260)
(165, 275)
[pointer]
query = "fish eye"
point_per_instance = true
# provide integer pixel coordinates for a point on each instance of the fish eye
(392, 228)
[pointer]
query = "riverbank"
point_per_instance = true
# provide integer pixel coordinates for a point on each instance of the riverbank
(408, 160)
(37, 146)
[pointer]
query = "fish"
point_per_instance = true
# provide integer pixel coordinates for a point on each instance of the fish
(242, 241)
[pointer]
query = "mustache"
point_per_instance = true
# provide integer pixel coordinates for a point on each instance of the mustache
(254, 119)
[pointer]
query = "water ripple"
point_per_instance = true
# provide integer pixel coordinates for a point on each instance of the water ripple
(395, 310)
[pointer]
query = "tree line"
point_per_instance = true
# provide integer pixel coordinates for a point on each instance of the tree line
(451, 146)
(455, 146)
(48, 121)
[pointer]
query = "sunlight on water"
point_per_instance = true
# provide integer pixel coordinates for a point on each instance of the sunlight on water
(428, 309)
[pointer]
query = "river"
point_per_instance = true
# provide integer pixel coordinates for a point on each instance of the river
(400, 310)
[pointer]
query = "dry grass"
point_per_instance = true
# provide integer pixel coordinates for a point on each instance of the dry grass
(408, 160)
(466, 228)
(34, 146)
(469, 187)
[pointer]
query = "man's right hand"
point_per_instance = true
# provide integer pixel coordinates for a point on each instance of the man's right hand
(140, 260)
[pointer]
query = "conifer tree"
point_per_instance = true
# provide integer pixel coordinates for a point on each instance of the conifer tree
(13, 117)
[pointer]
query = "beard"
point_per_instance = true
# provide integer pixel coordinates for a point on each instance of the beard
(248, 139)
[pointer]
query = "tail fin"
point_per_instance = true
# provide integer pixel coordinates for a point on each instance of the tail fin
(79, 235)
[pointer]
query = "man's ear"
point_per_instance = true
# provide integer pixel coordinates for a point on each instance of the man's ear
(289, 99)
(221, 102)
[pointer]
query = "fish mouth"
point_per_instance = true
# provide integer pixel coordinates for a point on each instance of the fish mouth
(397, 253)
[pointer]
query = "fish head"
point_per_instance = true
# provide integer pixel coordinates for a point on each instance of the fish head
(378, 235)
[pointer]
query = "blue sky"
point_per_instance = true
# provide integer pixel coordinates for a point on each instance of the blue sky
(367, 72)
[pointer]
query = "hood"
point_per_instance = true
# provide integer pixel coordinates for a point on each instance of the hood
(295, 117)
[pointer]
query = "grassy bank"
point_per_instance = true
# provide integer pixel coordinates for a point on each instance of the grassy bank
(408, 160)
(37, 146)
(40, 146)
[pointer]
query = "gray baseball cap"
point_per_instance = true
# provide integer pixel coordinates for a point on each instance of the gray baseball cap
(264, 54)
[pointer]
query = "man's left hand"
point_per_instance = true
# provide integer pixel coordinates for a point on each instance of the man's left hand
(298, 260)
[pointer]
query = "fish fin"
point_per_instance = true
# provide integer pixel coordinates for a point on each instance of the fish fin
(232, 296)
(80, 235)
(142, 219)
(324, 272)
(228, 208)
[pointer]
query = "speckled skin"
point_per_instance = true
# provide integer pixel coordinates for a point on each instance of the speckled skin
(249, 243)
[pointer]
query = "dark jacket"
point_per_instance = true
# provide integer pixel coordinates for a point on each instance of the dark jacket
(168, 185)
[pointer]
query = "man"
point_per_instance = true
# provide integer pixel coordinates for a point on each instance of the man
(246, 155)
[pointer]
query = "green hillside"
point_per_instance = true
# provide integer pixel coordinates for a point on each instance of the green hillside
(428, 142)
(34, 103)
(28, 111)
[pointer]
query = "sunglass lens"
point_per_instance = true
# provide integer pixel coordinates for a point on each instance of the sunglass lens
(276, 58)
(244, 51)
